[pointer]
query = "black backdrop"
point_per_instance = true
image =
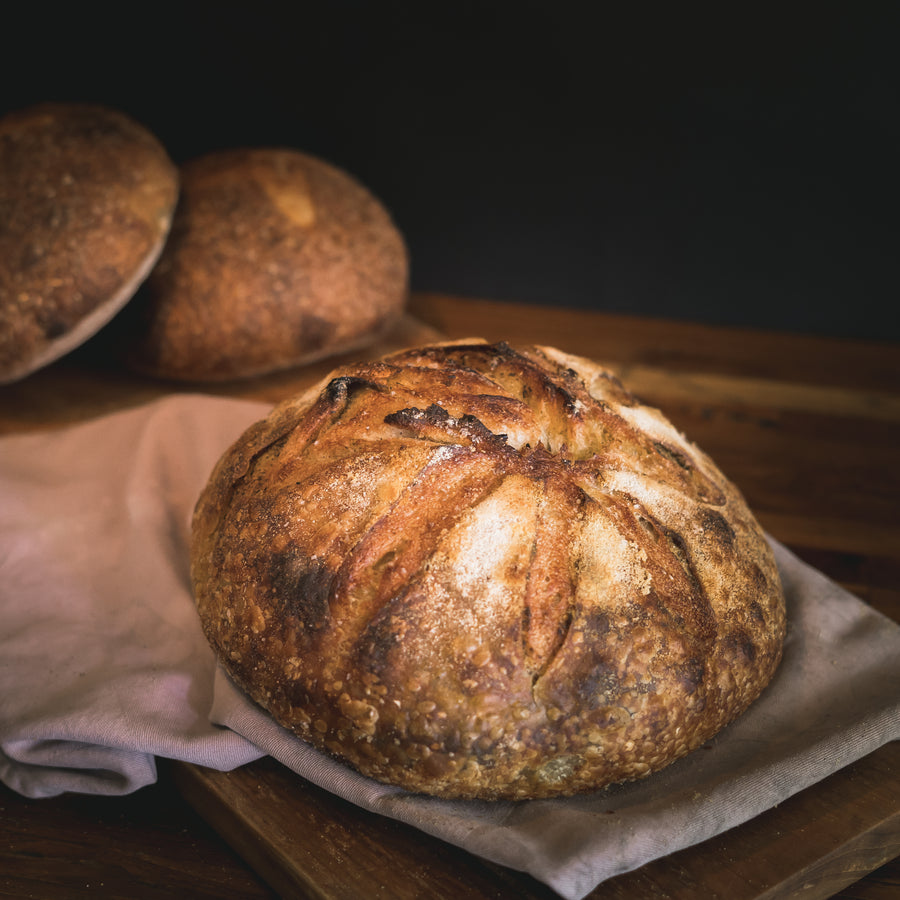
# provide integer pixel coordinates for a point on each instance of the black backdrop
(736, 166)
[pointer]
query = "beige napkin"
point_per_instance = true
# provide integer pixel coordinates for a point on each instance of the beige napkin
(103, 666)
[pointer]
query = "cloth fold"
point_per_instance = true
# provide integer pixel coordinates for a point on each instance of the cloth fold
(104, 667)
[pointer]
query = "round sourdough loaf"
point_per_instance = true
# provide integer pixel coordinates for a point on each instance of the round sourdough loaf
(275, 259)
(485, 572)
(86, 201)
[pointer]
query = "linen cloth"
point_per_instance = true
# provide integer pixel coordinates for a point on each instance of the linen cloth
(104, 667)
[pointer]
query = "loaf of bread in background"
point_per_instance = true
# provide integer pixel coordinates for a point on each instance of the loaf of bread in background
(86, 201)
(485, 572)
(275, 259)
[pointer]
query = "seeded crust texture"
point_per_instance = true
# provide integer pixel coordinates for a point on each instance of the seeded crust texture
(276, 258)
(483, 572)
(86, 201)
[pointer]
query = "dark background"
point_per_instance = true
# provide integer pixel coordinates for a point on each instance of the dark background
(737, 166)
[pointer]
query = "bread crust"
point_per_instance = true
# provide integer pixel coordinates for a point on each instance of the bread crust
(86, 201)
(276, 258)
(483, 572)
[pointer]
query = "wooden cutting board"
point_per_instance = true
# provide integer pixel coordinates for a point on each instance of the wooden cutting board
(306, 842)
(810, 430)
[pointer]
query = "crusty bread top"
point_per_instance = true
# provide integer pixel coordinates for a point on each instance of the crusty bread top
(276, 258)
(86, 200)
(479, 571)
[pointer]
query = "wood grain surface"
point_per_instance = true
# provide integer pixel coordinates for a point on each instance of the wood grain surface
(809, 429)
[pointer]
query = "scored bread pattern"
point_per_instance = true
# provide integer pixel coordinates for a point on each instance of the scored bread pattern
(479, 571)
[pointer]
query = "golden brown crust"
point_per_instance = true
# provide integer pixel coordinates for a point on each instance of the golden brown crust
(86, 200)
(275, 259)
(478, 571)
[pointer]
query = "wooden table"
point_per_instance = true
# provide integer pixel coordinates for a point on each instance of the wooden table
(808, 427)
